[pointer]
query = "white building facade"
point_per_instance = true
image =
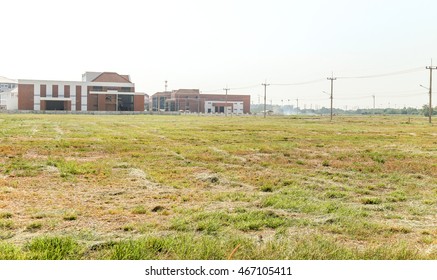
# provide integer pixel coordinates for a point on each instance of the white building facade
(8, 94)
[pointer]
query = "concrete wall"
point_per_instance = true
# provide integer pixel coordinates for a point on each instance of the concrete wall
(9, 100)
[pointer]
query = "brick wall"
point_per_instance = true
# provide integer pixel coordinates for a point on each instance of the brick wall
(25, 97)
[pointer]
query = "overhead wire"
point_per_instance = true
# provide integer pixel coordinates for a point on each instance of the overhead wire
(407, 71)
(416, 69)
(300, 83)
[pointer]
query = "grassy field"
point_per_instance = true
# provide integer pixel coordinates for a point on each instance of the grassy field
(196, 187)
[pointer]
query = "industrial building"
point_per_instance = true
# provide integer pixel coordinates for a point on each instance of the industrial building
(191, 100)
(98, 91)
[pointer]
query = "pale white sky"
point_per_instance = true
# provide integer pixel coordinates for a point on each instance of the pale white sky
(211, 44)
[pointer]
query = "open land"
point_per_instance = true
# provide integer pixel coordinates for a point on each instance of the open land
(197, 187)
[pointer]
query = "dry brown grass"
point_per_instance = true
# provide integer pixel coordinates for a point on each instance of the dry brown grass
(359, 180)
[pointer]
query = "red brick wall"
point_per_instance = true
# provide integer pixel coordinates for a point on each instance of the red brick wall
(67, 91)
(78, 100)
(67, 105)
(55, 92)
(25, 97)
(138, 103)
(91, 100)
(101, 102)
(43, 90)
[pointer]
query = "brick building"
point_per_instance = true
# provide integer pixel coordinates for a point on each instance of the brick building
(191, 100)
(98, 91)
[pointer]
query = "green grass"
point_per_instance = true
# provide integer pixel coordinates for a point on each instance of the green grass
(197, 247)
(195, 187)
(52, 248)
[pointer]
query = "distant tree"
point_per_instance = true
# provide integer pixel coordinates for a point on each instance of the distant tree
(425, 110)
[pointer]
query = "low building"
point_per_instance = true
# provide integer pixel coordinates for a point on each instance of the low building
(8, 94)
(7, 84)
(98, 91)
(191, 100)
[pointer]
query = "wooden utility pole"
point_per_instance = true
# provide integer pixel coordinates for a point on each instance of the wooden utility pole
(430, 91)
(226, 102)
(265, 97)
(332, 91)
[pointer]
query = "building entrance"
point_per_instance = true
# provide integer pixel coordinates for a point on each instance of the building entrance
(55, 105)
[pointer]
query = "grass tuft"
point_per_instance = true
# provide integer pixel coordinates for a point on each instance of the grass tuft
(53, 248)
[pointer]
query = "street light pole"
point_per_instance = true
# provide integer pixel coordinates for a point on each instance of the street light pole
(265, 97)
(430, 101)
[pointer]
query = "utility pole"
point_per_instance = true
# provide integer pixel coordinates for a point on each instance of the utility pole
(373, 102)
(265, 97)
(430, 91)
(166, 86)
(226, 102)
(332, 91)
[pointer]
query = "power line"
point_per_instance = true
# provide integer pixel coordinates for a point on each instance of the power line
(246, 87)
(411, 70)
(367, 96)
(301, 83)
(416, 69)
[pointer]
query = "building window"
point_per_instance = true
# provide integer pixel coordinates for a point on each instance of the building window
(125, 103)
(97, 88)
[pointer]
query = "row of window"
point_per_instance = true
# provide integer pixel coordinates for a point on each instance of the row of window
(7, 85)
(122, 89)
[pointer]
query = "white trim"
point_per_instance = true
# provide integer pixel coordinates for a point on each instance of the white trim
(61, 90)
(55, 98)
(116, 92)
(73, 97)
(84, 98)
(49, 90)
(103, 84)
(36, 97)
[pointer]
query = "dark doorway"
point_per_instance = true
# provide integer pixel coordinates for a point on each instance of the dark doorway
(55, 105)
(125, 103)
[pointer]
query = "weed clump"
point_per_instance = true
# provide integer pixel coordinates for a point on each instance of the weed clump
(5, 215)
(53, 248)
(371, 200)
(266, 189)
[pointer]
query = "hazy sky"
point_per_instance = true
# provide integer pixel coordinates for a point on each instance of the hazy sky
(211, 44)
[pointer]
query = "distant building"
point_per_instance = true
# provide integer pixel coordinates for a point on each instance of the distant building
(8, 94)
(98, 91)
(7, 84)
(191, 100)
